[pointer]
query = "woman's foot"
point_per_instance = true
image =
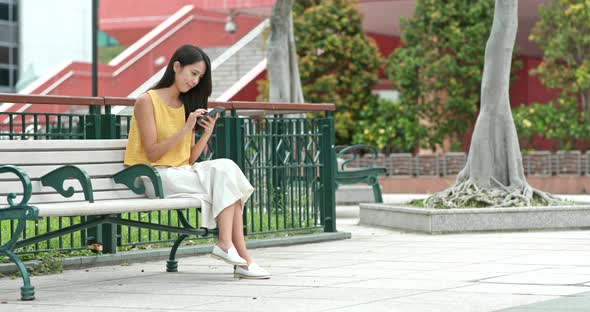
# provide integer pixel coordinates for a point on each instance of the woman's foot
(251, 271)
(231, 256)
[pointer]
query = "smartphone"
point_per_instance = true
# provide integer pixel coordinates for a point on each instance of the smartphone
(211, 113)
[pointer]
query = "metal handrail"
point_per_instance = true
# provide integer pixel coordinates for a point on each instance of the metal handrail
(91, 101)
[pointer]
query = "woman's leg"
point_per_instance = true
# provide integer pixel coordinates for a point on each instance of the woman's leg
(224, 223)
(238, 233)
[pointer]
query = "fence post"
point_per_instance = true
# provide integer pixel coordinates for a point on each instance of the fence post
(328, 174)
(101, 127)
(92, 130)
(223, 138)
(238, 135)
(92, 126)
(108, 126)
(109, 233)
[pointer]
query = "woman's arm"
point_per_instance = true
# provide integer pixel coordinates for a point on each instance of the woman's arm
(197, 148)
(144, 115)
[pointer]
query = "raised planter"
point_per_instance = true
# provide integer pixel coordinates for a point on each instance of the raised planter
(440, 221)
(564, 184)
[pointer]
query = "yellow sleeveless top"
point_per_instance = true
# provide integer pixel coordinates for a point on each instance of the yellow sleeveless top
(168, 122)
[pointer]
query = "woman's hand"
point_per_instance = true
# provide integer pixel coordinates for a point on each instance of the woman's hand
(209, 124)
(189, 125)
(201, 111)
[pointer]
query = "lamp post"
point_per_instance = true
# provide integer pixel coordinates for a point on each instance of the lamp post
(94, 109)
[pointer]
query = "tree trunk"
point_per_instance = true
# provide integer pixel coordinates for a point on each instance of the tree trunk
(495, 152)
(283, 71)
(494, 175)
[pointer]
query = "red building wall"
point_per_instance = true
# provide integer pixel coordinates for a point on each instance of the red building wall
(529, 89)
(129, 20)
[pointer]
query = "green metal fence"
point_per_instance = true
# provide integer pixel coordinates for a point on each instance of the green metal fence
(289, 161)
(47, 126)
(283, 158)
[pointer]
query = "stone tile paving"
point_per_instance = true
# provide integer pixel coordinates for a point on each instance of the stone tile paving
(377, 270)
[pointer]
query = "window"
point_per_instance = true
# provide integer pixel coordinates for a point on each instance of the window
(4, 11)
(4, 77)
(4, 55)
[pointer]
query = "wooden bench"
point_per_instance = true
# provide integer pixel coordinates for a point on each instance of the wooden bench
(62, 178)
(369, 174)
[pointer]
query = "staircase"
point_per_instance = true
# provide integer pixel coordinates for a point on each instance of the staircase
(139, 62)
(227, 73)
(229, 65)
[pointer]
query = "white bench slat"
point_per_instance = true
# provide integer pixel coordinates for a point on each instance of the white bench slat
(100, 184)
(61, 145)
(115, 206)
(19, 158)
(93, 170)
(79, 196)
(99, 158)
(56, 198)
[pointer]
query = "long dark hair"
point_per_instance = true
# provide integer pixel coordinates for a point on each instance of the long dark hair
(198, 96)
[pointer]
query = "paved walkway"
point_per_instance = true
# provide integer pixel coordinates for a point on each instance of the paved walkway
(377, 270)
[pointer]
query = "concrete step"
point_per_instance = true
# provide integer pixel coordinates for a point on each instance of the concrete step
(354, 194)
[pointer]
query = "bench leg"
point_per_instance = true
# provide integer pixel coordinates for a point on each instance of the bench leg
(377, 193)
(27, 292)
(374, 182)
(172, 263)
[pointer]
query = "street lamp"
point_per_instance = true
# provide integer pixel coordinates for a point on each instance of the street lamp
(230, 24)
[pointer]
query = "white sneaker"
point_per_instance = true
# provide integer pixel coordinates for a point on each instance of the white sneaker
(231, 256)
(254, 271)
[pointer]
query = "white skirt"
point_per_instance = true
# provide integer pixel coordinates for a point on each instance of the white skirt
(217, 183)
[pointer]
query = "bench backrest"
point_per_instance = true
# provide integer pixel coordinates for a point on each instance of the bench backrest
(99, 158)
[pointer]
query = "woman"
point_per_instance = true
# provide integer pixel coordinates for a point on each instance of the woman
(162, 134)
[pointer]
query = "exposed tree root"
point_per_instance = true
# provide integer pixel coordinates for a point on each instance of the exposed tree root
(467, 194)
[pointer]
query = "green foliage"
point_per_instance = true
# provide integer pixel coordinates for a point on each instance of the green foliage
(390, 126)
(338, 63)
(560, 122)
(563, 33)
(49, 263)
(107, 54)
(439, 68)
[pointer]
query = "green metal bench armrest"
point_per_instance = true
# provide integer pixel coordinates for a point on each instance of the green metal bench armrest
(57, 178)
(354, 150)
(25, 180)
(18, 214)
(129, 175)
(357, 176)
(363, 172)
